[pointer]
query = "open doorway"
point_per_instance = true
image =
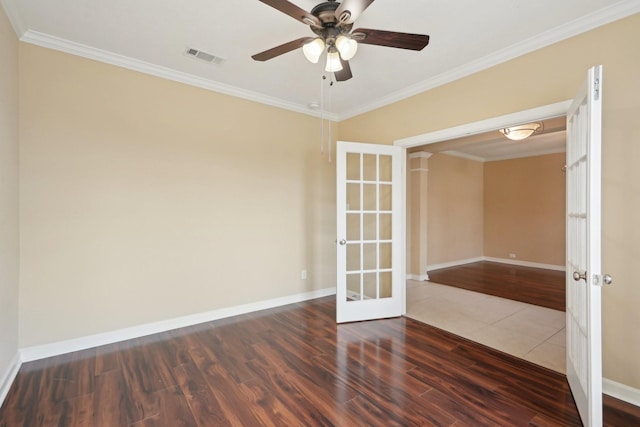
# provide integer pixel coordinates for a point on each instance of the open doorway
(496, 206)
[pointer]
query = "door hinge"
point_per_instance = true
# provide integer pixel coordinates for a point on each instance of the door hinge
(596, 89)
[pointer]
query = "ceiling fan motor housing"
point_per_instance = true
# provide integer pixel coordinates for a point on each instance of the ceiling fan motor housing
(332, 26)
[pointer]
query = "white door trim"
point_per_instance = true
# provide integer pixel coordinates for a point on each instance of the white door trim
(534, 114)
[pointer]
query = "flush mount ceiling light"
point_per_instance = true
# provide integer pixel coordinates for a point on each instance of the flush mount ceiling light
(517, 133)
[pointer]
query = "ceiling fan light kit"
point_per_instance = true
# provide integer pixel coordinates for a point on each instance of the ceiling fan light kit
(332, 23)
(313, 50)
(346, 46)
(520, 132)
(333, 60)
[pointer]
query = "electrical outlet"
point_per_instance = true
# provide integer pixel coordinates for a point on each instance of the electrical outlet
(512, 255)
(303, 275)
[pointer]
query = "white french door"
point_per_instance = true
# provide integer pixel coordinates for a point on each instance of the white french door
(584, 276)
(370, 283)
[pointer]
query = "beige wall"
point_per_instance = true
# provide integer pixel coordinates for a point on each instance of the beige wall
(144, 199)
(8, 195)
(543, 77)
(524, 207)
(455, 199)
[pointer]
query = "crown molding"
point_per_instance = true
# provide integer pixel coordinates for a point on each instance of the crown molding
(588, 22)
(573, 28)
(464, 156)
(78, 49)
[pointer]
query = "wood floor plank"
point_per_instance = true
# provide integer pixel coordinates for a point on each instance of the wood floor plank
(174, 411)
(269, 409)
(537, 286)
(222, 386)
(317, 395)
(112, 403)
(294, 366)
(204, 402)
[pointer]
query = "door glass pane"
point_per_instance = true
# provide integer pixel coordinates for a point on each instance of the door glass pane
(370, 285)
(353, 226)
(369, 172)
(353, 287)
(385, 227)
(385, 284)
(370, 226)
(385, 255)
(353, 166)
(385, 168)
(370, 255)
(385, 197)
(353, 197)
(369, 197)
(353, 257)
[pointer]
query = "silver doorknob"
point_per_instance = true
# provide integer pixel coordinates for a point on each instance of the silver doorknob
(577, 276)
(343, 242)
(607, 279)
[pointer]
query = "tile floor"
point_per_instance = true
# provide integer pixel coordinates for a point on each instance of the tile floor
(533, 333)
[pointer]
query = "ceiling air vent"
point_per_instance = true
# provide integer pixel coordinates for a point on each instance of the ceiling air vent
(203, 56)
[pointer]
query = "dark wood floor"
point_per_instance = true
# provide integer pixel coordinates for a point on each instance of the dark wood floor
(294, 366)
(537, 286)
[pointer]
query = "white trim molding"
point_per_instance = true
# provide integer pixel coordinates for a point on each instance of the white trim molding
(464, 155)
(521, 263)
(454, 263)
(9, 376)
(420, 277)
(581, 25)
(621, 391)
(498, 260)
(82, 50)
(61, 347)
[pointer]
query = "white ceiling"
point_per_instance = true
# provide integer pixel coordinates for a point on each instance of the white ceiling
(153, 35)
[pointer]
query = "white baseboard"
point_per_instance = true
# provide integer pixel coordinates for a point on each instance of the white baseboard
(525, 263)
(500, 260)
(612, 388)
(9, 376)
(620, 391)
(53, 349)
(420, 277)
(454, 263)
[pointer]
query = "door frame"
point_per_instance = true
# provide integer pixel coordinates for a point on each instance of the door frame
(557, 109)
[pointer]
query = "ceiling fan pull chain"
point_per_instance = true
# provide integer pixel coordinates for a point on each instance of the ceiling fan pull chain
(330, 124)
(322, 79)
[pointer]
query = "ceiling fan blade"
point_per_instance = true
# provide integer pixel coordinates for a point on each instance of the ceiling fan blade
(391, 39)
(294, 11)
(345, 73)
(279, 50)
(349, 10)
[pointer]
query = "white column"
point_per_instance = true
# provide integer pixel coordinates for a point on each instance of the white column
(418, 214)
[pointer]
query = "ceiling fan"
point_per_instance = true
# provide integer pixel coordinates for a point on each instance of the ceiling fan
(332, 23)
